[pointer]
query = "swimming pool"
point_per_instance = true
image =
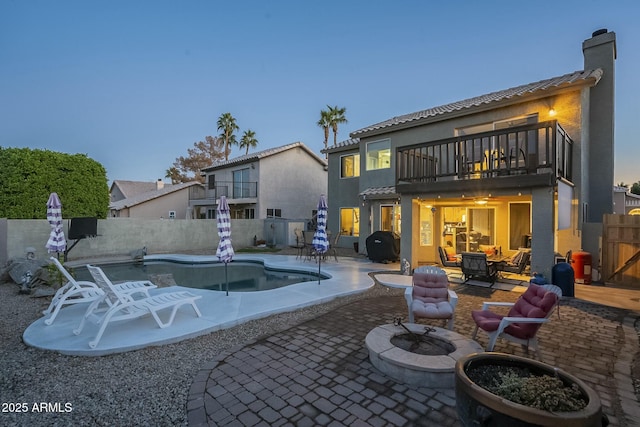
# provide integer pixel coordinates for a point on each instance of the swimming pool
(244, 276)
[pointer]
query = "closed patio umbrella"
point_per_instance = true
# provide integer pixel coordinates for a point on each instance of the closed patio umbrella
(225, 250)
(320, 242)
(56, 243)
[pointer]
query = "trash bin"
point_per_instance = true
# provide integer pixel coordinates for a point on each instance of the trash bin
(562, 277)
(582, 267)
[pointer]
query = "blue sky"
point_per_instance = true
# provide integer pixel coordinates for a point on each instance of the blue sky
(133, 84)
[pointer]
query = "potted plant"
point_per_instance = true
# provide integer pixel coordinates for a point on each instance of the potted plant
(496, 389)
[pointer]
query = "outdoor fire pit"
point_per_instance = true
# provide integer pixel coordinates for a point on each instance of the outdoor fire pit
(417, 354)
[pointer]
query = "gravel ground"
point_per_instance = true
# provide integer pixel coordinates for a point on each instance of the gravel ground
(144, 387)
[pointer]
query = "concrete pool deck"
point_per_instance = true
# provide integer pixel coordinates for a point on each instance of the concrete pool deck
(348, 276)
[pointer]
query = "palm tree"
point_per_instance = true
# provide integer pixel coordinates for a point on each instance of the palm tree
(248, 140)
(336, 117)
(227, 124)
(325, 124)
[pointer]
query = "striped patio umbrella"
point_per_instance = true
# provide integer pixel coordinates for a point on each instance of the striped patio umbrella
(57, 242)
(225, 250)
(320, 241)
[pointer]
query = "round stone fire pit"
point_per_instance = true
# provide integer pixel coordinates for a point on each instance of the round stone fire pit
(418, 369)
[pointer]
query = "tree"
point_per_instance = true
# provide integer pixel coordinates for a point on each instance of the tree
(227, 124)
(336, 117)
(325, 124)
(635, 188)
(203, 154)
(248, 140)
(29, 176)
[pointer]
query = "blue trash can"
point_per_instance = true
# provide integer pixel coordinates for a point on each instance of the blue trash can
(562, 276)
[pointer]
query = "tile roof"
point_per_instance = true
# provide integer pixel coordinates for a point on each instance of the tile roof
(492, 100)
(342, 144)
(262, 154)
(131, 188)
(149, 195)
(374, 192)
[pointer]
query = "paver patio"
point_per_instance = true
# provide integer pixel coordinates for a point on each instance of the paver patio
(318, 372)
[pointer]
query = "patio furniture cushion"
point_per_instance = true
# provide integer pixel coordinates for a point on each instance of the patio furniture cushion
(447, 259)
(431, 296)
(535, 302)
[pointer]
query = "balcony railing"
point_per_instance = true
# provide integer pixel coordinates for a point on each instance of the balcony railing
(529, 149)
(229, 189)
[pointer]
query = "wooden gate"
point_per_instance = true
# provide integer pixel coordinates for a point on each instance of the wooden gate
(621, 250)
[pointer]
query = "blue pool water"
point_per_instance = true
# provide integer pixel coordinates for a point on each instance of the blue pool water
(243, 276)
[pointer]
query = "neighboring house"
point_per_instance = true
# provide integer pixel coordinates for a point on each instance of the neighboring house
(134, 199)
(625, 202)
(121, 189)
(282, 182)
(526, 166)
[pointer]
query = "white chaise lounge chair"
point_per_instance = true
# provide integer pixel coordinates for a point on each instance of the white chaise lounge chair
(124, 306)
(78, 291)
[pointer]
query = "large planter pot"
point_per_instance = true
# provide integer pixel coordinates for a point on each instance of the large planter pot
(477, 406)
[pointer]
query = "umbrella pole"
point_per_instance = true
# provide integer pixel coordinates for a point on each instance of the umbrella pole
(319, 262)
(226, 278)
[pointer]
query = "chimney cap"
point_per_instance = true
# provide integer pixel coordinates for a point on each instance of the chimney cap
(599, 32)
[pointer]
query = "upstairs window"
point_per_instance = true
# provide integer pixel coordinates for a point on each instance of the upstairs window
(379, 155)
(211, 181)
(241, 183)
(274, 213)
(350, 166)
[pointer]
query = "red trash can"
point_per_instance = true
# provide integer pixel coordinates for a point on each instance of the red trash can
(581, 263)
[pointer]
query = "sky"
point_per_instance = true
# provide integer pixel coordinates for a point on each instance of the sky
(134, 84)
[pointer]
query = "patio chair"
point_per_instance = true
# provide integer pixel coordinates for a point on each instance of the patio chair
(516, 264)
(521, 323)
(475, 266)
(430, 296)
(300, 244)
(79, 291)
(556, 290)
(333, 248)
(444, 258)
(125, 307)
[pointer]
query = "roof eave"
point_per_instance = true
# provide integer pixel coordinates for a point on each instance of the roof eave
(532, 96)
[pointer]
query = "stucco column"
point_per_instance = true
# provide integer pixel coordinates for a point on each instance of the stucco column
(406, 239)
(542, 231)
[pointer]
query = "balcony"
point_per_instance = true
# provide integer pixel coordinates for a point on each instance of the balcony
(233, 191)
(539, 149)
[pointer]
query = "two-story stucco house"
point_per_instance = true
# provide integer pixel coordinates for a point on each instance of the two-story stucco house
(526, 166)
(282, 182)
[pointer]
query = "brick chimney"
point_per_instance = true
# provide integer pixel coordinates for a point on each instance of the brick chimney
(159, 184)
